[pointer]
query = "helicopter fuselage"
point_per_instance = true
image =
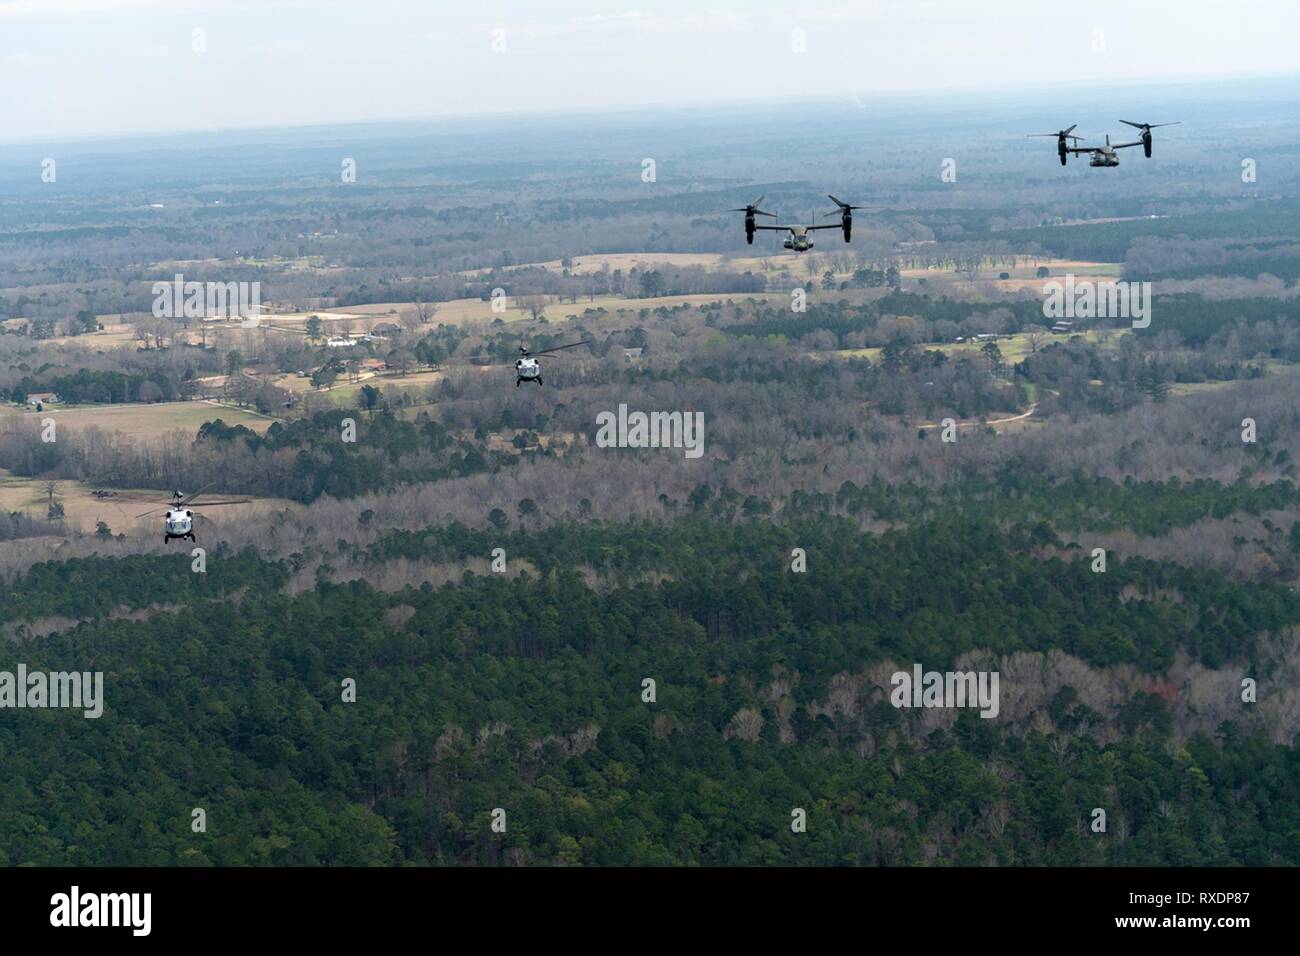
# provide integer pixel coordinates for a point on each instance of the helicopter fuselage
(180, 524)
(798, 243)
(1103, 157)
(528, 370)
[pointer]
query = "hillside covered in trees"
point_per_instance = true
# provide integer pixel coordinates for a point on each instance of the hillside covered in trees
(525, 692)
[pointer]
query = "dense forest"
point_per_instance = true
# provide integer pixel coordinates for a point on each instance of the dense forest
(524, 692)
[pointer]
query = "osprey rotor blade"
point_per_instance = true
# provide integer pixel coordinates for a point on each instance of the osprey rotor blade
(754, 208)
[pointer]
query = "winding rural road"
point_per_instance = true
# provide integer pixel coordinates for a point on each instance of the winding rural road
(997, 421)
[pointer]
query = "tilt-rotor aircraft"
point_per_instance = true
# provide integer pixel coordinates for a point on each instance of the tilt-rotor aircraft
(1103, 155)
(798, 239)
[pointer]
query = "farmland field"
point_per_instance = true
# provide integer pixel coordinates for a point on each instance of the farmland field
(118, 508)
(147, 420)
(471, 311)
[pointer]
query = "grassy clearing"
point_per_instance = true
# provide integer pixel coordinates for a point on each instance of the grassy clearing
(477, 311)
(82, 509)
(624, 261)
(347, 394)
(146, 421)
(1020, 278)
(1274, 366)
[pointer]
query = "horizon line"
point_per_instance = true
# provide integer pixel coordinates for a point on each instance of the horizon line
(864, 98)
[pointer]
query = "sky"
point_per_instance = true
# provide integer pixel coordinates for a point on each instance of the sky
(90, 68)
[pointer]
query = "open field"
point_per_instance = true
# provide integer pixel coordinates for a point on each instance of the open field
(469, 311)
(345, 394)
(1275, 367)
(1183, 389)
(315, 263)
(114, 334)
(147, 420)
(620, 304)
(776, 261)
(625, 261)
(364, 318)
(81, 509)
(778, 268)
(1021, 278)
(791, 263)
(803, 264)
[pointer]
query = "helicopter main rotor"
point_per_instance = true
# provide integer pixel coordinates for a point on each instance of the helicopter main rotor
(557, 348)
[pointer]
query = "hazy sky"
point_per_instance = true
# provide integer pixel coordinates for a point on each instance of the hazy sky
(93, 67)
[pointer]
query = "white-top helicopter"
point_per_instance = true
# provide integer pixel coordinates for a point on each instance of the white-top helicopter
(180, 514)
(528, 369)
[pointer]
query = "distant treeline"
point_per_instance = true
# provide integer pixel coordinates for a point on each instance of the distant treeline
(1109, 241)
(1197, 320)
(99, 386)
(517, 283)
